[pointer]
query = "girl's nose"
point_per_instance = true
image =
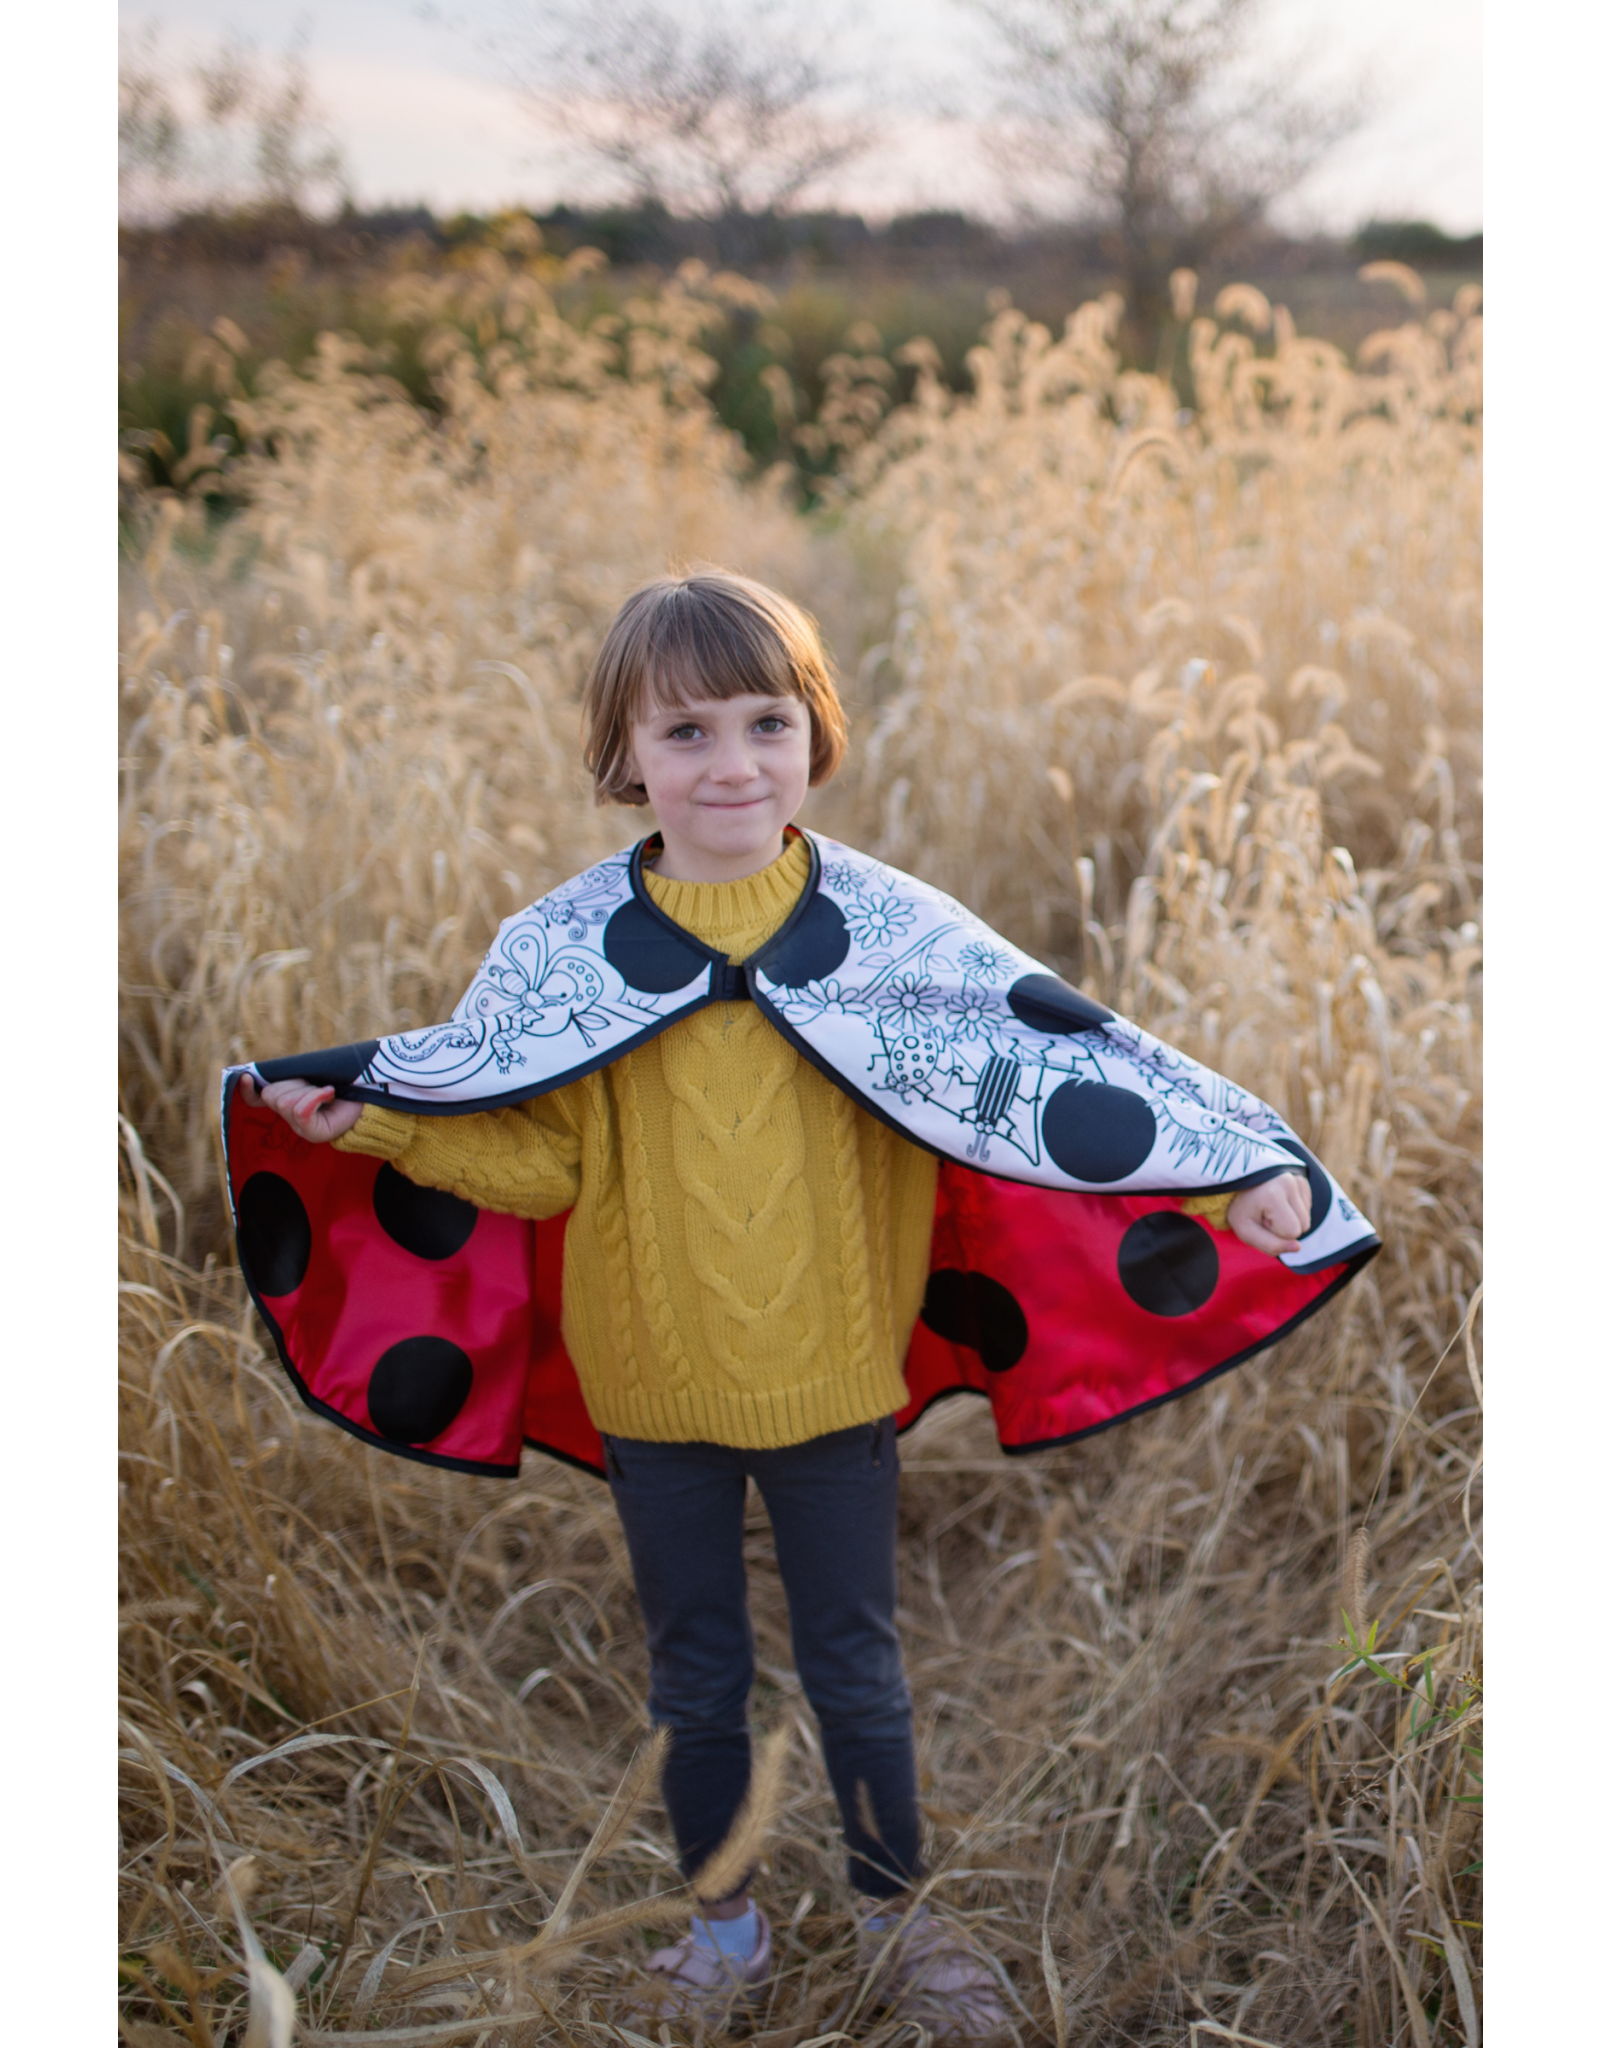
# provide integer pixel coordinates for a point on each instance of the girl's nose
(732, 762)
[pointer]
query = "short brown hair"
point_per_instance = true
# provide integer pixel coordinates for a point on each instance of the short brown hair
(706, 633)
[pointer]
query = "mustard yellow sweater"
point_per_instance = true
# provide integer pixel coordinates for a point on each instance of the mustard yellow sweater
(747, 1250)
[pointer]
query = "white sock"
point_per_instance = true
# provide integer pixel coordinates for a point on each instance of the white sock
(739, 1937)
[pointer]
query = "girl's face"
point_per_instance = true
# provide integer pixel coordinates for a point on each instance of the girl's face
(724, 776)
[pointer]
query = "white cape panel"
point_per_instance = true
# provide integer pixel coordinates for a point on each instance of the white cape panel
(896, 992)
(982, 1053)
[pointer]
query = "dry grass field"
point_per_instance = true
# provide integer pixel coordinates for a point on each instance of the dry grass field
(1186, 700)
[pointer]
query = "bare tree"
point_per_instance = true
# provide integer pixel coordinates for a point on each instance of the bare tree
(149, 130)
(722, 115)
(223, 130)
(1165, 117)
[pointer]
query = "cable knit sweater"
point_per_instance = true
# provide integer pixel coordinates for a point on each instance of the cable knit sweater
(747, 1249)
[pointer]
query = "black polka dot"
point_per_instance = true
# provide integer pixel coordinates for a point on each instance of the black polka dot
(418, 1388)
(424, 1221)
(972, 1309)
(1098, 1133)
(1047, 1003)
(1168, 1263)
(649, 953)
(1321, 1186)
(274, 1234)
(813, 946)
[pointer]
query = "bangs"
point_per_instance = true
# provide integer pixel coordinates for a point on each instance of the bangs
(708, 634)
(708, 648)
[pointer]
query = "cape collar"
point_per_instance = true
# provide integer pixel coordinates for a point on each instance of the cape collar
(730, 981)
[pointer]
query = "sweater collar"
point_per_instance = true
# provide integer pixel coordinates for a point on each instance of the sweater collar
(770, 899)
(735, 917)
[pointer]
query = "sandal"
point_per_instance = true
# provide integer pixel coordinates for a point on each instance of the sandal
(931, 1973)
(699, 1987)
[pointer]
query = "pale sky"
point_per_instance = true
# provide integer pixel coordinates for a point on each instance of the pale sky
(421, 114)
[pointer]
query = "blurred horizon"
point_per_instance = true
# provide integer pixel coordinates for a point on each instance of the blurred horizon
(424, 113)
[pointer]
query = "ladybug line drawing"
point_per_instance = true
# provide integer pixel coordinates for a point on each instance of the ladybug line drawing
(992, 1088)
(913, 1060)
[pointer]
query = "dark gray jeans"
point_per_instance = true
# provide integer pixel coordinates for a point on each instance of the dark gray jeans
(832, 1504)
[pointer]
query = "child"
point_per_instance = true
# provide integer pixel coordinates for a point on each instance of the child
(751, 1202)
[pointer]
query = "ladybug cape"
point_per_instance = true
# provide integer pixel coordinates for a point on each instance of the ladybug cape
(1065, 1282)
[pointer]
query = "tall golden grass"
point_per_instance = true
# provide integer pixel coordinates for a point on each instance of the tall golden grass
(1184, 698)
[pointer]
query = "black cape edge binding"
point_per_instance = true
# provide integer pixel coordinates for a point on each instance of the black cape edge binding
(1353, 1259)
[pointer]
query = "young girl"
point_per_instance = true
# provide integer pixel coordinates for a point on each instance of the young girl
(750, 1196)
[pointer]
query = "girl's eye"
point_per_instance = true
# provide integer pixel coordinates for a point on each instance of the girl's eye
(773, 722)
(684, 732)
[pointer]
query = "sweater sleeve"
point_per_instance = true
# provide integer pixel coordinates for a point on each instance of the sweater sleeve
(1214, 1208)
(523, 1161)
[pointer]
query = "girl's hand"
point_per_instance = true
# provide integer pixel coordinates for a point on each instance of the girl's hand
(312, 1113)
(1274, 1216)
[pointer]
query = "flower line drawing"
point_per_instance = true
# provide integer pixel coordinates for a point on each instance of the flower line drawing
(986, 962)
(968, 1014)
(879, 920)
(913, 1002)
(909, 996)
